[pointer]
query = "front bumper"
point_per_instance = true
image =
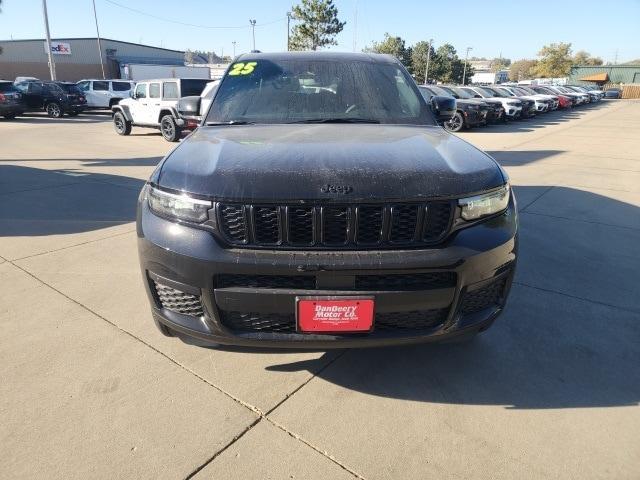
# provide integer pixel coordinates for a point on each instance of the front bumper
(177, 258)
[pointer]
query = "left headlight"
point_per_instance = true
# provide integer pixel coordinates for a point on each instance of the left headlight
(485, 204)
(180, 207)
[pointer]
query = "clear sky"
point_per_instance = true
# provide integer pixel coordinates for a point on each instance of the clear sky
(513, 28)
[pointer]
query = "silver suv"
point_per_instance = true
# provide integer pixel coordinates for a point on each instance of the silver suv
(153, 104)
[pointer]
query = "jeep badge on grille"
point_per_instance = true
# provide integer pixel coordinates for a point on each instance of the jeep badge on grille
(340, 189)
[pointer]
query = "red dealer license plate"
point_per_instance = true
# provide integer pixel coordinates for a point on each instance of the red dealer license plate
(335, 314)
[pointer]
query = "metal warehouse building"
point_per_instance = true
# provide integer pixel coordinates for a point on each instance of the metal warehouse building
(605, 74)
(77, 58)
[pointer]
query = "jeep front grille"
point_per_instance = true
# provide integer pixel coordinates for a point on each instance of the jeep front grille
(335, 226)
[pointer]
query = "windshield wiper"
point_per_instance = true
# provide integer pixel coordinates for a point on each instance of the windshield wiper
(230, 122)
(338, 120)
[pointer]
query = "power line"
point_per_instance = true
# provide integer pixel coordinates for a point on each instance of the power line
(208, 27)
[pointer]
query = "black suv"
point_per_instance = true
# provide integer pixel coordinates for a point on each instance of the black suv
(52, 98)
(10, 100)
(469, 113)
(320, 205)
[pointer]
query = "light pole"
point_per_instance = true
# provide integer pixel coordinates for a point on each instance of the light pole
(95, 15)
(52, 65)
(464, 71)
(234, 48)
(288, 29)
(253, 32)
(426, 71)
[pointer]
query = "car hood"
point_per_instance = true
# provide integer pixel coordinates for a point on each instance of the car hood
(295, 162)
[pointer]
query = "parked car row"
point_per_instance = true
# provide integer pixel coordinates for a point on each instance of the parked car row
(482, 105)
(29, 94)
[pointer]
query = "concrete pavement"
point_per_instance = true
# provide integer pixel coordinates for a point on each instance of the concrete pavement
(89, 388)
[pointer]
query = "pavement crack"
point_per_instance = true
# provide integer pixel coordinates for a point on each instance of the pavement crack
(596, 302)
(303, 384)
(537, 198)
(223, 449)
(592, 222)
(324, 453)
(75, 244)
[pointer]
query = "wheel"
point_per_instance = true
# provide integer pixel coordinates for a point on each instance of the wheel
(456, 123)
(121, 124)
(170, 131)
(54, 110)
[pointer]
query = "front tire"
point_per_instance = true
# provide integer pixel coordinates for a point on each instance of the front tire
(456, 123)
(170, 131)
(121, 125)
(54, 110)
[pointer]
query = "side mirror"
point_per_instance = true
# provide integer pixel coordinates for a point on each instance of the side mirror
(132, 94)
(444, 108)
(189, 106)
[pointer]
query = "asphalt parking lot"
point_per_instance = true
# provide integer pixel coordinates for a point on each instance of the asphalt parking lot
(90, 389)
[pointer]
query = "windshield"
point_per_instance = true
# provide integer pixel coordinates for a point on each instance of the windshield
(440, 91)
(460, 92)
(485, 92)
(70, 88)
(317, 90)
(528, 90)
(494, 92)
(7, 87)
(506, 92)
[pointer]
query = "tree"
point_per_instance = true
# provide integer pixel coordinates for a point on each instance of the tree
(419, 54)
(318, 25)
(555, 61)
(393, 46)
(189, 56)
(499, 63)
(585, 58)
(522, 70)
(447, 67)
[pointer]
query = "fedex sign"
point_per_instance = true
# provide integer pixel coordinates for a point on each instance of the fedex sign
(59, 48)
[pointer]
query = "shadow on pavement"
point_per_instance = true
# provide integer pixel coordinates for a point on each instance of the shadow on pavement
(36, 202)
(42, 118)
(547, 350)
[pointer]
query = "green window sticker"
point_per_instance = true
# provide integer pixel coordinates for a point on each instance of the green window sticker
(242, 68)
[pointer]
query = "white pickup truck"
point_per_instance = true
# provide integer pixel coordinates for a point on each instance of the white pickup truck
(153, 105)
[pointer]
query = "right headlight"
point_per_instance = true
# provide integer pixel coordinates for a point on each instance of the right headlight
(478, 206)
(179, 207)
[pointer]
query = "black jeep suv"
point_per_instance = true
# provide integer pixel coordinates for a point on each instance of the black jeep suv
(54, 98)
(319, 205)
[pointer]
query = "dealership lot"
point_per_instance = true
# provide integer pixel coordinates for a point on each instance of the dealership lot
(90, 388)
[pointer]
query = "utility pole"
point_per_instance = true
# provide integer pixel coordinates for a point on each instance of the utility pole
(355, 27)
(52, 65)
(426, 72)
(464, 71)
(288, 31)
(95, 16)
(234, 48)
(253, 32)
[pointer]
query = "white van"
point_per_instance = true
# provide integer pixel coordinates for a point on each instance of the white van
(105, 93)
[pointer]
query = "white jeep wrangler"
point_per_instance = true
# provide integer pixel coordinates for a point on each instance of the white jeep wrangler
(153, 105)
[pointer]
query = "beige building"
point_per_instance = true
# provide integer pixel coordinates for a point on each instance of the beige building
(77, 58)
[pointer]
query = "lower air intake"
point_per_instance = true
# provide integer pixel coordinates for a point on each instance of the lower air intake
(177, 301)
